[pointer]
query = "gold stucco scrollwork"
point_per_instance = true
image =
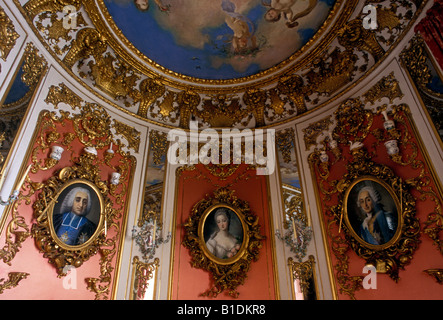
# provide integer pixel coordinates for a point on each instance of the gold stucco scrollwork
(292, 86)
(8, 35)
(92, 126)
(62, 94)
(303, 272)
(35, 7)
(354, 35)
(142, 273)
(188, 102)
(387, 87)
(150, 91)
(17, 231)
(13, 279)
(436, 273)
(130, 133)
(353, 122)
(255, 99)
(227, 272)
(222, 111)
(314, 130)
(34, 66)
(88, 42)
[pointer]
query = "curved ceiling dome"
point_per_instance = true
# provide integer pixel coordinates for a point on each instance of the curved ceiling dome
(223, 63)
(218, 40)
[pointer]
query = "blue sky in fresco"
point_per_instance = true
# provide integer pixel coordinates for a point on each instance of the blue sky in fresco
(150, 33)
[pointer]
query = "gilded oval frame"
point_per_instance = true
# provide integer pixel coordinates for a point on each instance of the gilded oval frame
(71, 185)
(203, 225)
(393, 202)
(230, 273)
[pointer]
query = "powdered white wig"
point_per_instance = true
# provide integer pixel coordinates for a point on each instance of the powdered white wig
(374, 194)
(69, 200)
(221, 211)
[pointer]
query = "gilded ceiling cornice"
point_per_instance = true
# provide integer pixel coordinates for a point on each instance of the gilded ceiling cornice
(101, 18)
(342, 58)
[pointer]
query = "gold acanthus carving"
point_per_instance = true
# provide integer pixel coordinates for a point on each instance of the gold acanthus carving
(113, 76)
(158, 144)
(142, 273)
(292, 86)
(386, 87)
(436, 273)
(62, 94)
(88, 42)
(330, 72)
(151, 205)
(8, 35)
(314, 130)
(35, 7)
(285, 143)
(13, 279)
(187, 101)
(354, 35)
(150, 91)
(130, 133)
(255, 99)
(34, 66)
(222, 111)
(303, 272)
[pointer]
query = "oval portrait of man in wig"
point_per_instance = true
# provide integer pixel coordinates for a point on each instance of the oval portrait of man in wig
(76, 214)
(372, 211)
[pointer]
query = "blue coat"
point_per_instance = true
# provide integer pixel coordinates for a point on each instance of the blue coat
(72, 229)
(381, 227)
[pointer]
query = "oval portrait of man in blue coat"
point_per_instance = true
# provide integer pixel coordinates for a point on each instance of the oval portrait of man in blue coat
(76, 214)
(372, 211)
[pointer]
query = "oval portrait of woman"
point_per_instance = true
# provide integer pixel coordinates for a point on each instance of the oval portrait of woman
(223, 233)
(76, 214)
(372, 211)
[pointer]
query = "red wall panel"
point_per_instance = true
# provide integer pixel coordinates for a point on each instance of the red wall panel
(194, 185)
(43, 281)
(413, 282)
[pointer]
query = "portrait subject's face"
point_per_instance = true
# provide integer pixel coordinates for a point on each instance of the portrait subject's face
(365, 202)
(80, 203)
(222, 222)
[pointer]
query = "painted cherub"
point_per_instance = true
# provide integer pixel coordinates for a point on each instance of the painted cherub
(143, 5)
(277, 8)
(243, 39)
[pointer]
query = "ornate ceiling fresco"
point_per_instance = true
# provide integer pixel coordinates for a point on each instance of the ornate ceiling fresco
(218, 40)
(222, 63)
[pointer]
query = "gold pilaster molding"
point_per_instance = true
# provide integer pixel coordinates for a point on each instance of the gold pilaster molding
(303, 272)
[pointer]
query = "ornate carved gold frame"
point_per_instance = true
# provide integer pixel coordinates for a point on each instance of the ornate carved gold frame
(398, 206)
(51, 208)
(85, 171)
(396, 253)
(229, 273)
